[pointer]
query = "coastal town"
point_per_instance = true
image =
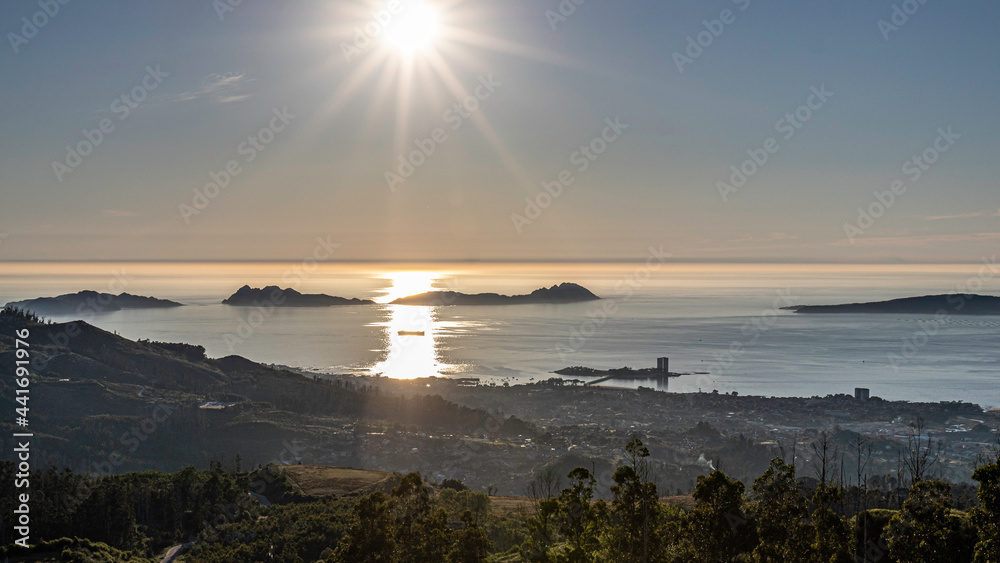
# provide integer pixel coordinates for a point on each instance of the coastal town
(568, 424)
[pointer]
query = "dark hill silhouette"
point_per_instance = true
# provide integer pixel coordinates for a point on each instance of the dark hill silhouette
(91, 387)
(562, 293)
(953, 304)
(247, 296)
(87, 301)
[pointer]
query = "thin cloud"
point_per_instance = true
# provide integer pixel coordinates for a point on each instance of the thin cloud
(765, 238)
(958, 216)
(223, 88)
(918, 240)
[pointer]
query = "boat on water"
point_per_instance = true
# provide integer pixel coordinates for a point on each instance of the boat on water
(411, 333)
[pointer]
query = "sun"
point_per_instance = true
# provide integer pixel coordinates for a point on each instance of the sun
(405, 284)
(408, 57)
(413, 29)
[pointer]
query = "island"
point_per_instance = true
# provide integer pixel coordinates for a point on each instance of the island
(621, 373)
(247, 296)
(952, 304)
(557, 294)
(90, 302)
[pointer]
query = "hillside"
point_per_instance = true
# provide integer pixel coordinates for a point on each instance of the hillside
(321, 481)
(89, 302)
(954, 304)
(102, 401)
(316, 481)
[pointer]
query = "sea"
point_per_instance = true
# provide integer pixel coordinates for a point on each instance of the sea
(722, 326)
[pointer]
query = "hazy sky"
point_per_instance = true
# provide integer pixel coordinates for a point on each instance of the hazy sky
(339, 110)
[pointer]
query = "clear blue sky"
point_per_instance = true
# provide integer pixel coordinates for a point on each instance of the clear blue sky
(323, 174)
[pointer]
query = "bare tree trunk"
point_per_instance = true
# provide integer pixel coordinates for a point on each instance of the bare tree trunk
(863, 452)
(917, 458)
(825, 462)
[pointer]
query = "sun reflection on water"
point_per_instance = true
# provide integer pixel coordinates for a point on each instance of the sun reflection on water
(410, 355)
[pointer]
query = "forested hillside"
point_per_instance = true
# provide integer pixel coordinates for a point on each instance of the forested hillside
(780, 517)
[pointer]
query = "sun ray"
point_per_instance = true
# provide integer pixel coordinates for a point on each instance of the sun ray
(404, 92)
(344, 94)
(414, 58)
(481, 123)
(383, 91)
(491, 43)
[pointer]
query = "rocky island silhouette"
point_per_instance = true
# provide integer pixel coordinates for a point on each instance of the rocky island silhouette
(90, 301)
(247, 296)
(562, 293)
(953, 304)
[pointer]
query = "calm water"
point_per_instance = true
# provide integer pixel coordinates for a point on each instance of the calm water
(720, 319)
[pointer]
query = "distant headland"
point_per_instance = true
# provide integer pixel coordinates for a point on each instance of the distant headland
(562, 293)
(247, 296)
(90, 302)
(953, 304)
(622, 373)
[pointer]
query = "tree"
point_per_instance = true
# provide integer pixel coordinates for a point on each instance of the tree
(431, 539)
(781, 514)
(635, 508)
(832, 536)
(717, 530)
(457, 502)
(580, 520)
(986, 516)
(400, 527)
(541, 532)
(546, 484)
(918, 533)
(541, 527)
(370, 537)
(825, 456)
(869, 535)
(453, 484)
(421, 533)
(863, 451)
(917, 459)
(471, 543)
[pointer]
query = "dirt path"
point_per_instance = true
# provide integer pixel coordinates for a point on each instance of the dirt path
(174, 551)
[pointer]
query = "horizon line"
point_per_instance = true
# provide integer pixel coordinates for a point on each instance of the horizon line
(630, 260)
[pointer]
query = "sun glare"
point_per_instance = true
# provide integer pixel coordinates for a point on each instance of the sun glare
(405, 284)
(413, 29)
(411, 332)
(415, 56)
